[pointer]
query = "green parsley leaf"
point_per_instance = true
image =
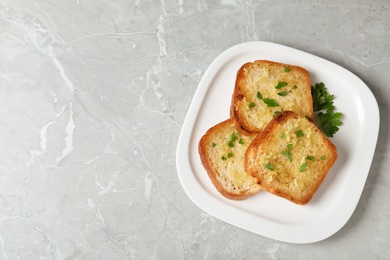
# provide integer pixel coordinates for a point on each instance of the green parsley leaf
(270, 102)
(287, 69)
(288, 152)
(303, 167)
(322, 100)
(299, 133)
(329, 122)
(233, 137)
(281, 84)
(230, 155)
(269, 167)
(276, 113)
(283, 136)
(252, 104)
(223, 158)
(259, 96)
(241, 141)
(294, 87)
(311, 158)
(283, 93)
(322, 157)
(213, 144)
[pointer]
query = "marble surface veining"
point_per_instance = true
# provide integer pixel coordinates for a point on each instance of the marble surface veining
(93, 95)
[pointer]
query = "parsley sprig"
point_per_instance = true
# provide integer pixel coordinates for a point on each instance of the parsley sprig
(322, 100)
(328, 120)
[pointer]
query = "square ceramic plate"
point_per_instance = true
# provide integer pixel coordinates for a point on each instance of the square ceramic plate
(264, 213)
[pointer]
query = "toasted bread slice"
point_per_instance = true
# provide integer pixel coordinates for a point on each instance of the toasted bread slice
(290, 158)
(222, 151)
(264, 88)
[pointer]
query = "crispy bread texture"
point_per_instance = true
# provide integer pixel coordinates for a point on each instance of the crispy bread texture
(222, 150)
(265, 88)
(290, 158)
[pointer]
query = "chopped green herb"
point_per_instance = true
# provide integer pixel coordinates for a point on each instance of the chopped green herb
(241, 141)
(311, 158)
(283, 136)
(270, 102)
(252, 104)
(276, 113)
(269, 167)
(213, 144)
(287, 69)
(259, 96)
(288, 152)
(294, 87)
(303, 167)
(230, 155)
(283, 93)
(233, 137)
(299, 133)
(322, 157)
(223, 158)
(281, 84)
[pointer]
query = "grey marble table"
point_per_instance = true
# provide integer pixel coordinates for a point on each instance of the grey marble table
(93, 95)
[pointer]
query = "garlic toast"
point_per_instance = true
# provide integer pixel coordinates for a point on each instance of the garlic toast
(222, 151)
(291, 157)
(263, 89)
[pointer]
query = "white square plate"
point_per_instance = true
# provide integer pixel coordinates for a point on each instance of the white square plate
(264, 213)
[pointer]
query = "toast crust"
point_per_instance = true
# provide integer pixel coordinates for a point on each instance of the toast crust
(284, 177)
(262, 76)
(228, 176)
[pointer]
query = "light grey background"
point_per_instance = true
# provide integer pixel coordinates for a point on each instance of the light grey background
(93, 95)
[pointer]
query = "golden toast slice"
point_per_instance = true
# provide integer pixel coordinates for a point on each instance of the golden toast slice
(222, 150)
(291, 157)
(263, 89)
